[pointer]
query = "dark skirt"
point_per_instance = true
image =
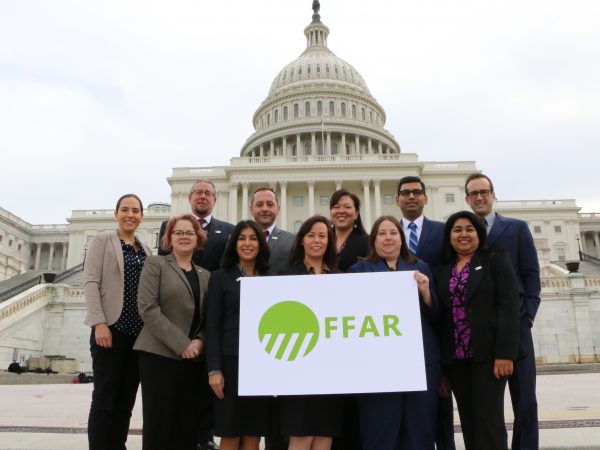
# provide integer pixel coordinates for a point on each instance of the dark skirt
(239, 416)
(312, 415)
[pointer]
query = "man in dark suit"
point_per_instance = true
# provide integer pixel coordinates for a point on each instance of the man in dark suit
(264, 208)
(425, 238)
(202, 199)
(514, 236)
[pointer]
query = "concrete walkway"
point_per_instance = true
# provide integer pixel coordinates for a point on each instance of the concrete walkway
(54, 416)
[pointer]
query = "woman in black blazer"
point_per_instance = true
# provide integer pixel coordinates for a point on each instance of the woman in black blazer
(351, 239)
(239, 421)
(479, 330)
(311, 421)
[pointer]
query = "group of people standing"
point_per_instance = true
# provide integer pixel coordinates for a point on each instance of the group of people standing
(172, 322)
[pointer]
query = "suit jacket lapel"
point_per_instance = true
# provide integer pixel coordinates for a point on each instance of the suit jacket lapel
(424, 235)
(179, 272)
(498, 228)
(116, 243)
(476, 273)
(274, 238)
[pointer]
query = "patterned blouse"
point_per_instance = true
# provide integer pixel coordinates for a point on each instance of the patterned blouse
(129, 321)
(462, 329)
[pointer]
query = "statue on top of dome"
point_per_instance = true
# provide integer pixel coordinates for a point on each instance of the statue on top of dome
(316, 6)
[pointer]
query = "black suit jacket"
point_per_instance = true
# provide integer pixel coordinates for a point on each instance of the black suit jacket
(357, 245)
(209, 257)
(492, 303)
(513, 235)
(431, 242)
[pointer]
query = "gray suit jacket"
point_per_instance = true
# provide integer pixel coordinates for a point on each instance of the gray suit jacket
(280, 245)
(104, 273)
(166, 305)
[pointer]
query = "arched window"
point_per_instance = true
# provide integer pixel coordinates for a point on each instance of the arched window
(326, 68)
(362, 114)
(354, 111)
(334, 150)
(307, 109)
(276, 115)
(331, 108)
(319, 108)
(308, 69)
(268, 119)
(343, 110)
(296, 110)
(318, 68)
(371, 116)
(292, 73)
(285, 113)
(307, 148)
(320, 148)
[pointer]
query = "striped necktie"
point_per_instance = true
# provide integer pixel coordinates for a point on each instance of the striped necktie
(413, 240)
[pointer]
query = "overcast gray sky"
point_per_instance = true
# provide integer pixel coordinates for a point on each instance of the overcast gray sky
(102, 98)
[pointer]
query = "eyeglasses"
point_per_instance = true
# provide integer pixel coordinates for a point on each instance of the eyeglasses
(180, 233)
(199, 192)
(483, 192)
(408, 192)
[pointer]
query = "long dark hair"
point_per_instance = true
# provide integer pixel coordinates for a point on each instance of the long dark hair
(448, 252)
(230, 256)
(337, 196)
(372, 256)
(297, 254)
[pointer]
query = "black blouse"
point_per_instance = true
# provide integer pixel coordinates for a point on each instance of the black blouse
(129, 321)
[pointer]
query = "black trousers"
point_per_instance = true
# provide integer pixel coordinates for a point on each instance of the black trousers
(171, 402)
(116, 380)
(480, 400)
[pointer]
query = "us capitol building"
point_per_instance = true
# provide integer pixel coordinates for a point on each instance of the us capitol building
(318, 129)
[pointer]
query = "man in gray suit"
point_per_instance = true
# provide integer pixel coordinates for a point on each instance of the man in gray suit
(264, 208)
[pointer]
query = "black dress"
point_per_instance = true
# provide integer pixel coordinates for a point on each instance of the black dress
(310, 415)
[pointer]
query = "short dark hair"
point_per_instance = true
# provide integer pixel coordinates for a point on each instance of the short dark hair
(231, 257)
(410, 179)
(264, 188)
(166, 243)
(475, 176)
(372, 255)
(297, 254)
(448, 251)
(337, 196)
(122, 197)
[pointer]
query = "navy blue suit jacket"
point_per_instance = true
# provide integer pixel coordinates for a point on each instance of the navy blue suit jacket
(513, 235)
(209, 257)
(431, 242)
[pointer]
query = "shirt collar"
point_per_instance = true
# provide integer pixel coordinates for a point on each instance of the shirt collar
(206, 218)
(418, 222)
(311, 270)
(490, 218)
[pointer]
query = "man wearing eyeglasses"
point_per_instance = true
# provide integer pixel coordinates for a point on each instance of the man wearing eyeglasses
(202, 198)
(425, 240)
(514, 236)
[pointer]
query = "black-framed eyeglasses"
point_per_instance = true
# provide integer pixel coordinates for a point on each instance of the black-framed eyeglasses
(483, 192)
(200, 192)
(408, 192)
(180, 233)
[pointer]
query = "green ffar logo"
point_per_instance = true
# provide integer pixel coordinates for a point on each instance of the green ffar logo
(285, 321)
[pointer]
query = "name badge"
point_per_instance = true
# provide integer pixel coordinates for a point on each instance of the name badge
(217, 231)
(478, 268)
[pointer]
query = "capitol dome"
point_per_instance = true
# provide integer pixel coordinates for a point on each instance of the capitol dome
(319, 104)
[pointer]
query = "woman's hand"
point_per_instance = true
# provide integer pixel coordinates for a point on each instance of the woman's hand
(193, 350)
(503, 368)
(103, 335)
(217, 383)
(423, 287)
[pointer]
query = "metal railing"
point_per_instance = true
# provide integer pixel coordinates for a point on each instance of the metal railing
(591, 259)
(16, 290)
(67, 273)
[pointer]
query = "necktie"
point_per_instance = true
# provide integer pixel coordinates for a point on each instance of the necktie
(485, 224)
(413, 240)
(266, 234)
(202, 222)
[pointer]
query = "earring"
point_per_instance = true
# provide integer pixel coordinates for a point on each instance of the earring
(355, 226)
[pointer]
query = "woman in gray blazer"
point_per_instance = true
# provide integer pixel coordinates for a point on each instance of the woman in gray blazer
(171, 303)
(112, 269)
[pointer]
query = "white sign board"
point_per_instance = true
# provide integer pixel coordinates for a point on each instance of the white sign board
(330, 334)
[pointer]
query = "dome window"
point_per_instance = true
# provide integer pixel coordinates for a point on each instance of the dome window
(354, 111)
(292, 73)
(343, 110)
(296, 110)
(318, 68)
(362, 114)
(299, 71)
(337, 71)
(334, 148)
(276, 115)
(371, 116)
(285, 113)
(331, 108)
(327, 68)
(307, 109)
(308, 69)
(307, 150)
(268, 119)
(319, 108)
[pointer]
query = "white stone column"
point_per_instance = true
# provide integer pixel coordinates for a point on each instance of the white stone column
(380, 148)
(338, 184)
(328, 151)
(245, 200)
(367, 204)
(313, 144)
(583, 325)
(343, 149)
(283, 206)
(38, 254)
(261, 151)
(51, 256)
(597, 243)
(284, 151)
(63, 264)
(311, 197)
(299, 149)
(377, 186)
(356, 145)
(369, 146)
(272, 148)
(233, 197)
